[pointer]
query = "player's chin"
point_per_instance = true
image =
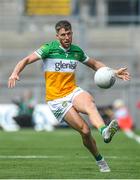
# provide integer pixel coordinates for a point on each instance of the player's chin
(67, 45)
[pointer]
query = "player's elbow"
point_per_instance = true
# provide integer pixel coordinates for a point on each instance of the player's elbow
(23, 62)
(27, 60)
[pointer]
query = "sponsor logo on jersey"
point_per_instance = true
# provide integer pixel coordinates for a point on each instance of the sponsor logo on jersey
(62, 65)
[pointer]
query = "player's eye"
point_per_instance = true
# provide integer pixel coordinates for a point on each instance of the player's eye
(62, 35)
(69, 33)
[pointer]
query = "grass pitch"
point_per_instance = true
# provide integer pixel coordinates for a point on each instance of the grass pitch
(60, 155)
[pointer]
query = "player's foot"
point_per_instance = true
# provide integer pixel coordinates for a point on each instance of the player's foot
(103, 166)
(110, 131)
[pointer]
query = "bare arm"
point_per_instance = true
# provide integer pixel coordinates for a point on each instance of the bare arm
(94, 64)
(19, 67)
(121, 73)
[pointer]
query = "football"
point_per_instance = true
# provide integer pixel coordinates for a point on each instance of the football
(104, 77)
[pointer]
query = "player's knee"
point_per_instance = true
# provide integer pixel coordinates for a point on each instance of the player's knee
(85, 131)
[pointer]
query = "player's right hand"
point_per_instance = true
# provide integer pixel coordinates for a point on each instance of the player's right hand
(12, 80)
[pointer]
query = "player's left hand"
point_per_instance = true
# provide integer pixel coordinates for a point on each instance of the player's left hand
(123, 74)
(12, 80)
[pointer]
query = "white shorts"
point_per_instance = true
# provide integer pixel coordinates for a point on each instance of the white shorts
(60, 106)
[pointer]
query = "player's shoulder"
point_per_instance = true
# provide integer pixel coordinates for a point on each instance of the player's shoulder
(51, 44)
(75, 47)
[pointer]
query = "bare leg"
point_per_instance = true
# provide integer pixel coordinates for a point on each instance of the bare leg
(84, 103)
(76, 122)
(88, 107)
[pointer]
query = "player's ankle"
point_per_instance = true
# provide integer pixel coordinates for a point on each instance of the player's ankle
(101, 129)
(98, 157)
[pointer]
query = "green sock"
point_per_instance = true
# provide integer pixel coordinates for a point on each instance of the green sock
(99, 157)
(102, 128)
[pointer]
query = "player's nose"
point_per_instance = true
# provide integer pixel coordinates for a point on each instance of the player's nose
(66, 36)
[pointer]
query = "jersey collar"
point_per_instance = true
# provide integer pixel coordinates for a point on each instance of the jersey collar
(64, 49)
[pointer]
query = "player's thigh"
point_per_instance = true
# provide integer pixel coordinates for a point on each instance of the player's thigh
(73, 118)
(84, 102)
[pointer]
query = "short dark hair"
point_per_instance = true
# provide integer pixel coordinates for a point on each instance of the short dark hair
(63, 24)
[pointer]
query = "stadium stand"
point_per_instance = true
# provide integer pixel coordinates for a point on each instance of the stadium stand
(41, 7)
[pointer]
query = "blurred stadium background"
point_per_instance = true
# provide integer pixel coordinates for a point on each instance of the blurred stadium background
(105, 29)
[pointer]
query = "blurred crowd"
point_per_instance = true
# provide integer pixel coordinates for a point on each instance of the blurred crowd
(119, 111)
(24, 112)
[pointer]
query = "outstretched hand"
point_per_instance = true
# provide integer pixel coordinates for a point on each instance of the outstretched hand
(123, 74)
(12, 80)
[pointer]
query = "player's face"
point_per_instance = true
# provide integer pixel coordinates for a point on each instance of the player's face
(65, 37)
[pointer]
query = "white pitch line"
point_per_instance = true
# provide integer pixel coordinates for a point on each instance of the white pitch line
(137, 138)
(55, 157)
(29, 157)
(47, 157)
(132, 135)
(111, 157)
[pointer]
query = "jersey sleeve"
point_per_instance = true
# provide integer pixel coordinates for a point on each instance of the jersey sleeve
(43, 51)
(84, 58)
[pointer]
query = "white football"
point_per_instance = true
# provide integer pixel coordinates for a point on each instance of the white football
(104, 77)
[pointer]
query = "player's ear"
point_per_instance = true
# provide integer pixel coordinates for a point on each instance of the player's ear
(57, 37)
